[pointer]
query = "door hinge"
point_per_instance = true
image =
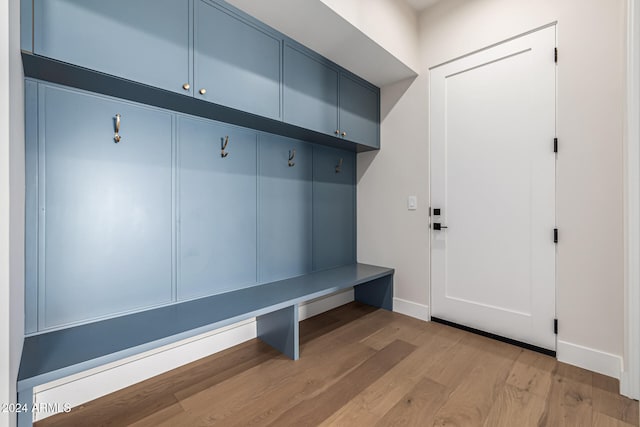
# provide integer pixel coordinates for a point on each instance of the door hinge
(555, 326)
(555, 55)
(555, 235)
(555, 145)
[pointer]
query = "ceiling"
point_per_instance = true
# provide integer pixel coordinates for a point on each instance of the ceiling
(420, 5)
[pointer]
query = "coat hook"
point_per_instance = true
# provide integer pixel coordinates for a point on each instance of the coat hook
(223, 142)
(117, 136)
(339, 166)
(292, 155)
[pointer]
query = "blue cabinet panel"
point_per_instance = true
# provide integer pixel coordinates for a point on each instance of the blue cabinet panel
(310, 91)
(105, 227)
(31, 208)
(237, 63)
(285, 208)
(217, 199)
(359, 111)
(334, 208)
(143, 40)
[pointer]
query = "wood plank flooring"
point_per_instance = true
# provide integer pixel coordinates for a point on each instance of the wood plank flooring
(360, 366)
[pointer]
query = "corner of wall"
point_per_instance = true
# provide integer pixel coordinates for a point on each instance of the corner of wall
(16, 187)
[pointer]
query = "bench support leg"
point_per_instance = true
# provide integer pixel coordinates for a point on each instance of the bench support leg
(279, 329)
(377, 293)
(25, 398)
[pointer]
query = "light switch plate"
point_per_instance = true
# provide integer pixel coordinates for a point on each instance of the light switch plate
(412, 203)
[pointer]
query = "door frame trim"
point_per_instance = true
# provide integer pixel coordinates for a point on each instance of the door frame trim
(526, 33)
(630, 377)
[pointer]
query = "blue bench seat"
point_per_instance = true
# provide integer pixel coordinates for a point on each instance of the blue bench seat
(57, 354)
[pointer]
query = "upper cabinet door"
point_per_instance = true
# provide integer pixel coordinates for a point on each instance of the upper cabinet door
(105, 208)
(310, 92)
(217, 208)
(359, 112)
(144, 40)
(237, 63)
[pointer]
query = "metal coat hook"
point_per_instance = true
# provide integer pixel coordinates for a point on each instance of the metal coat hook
(292, 155)
(339, 166)
(117, 136)
(224, 142)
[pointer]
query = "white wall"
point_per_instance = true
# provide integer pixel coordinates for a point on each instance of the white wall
(630, 381)
(389, 234)
(5, 331)
(11, 203)
(590, 167)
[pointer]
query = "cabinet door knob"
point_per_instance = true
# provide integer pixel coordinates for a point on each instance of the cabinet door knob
(344, 134)
(202, 91)
(186, 86)
(337, 132)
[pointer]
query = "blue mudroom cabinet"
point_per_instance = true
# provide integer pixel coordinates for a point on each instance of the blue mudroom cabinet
(209, 51)
(133, 205)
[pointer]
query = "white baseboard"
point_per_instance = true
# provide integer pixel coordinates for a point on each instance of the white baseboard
(410, 308)
(629, 386)
(94, 383)
(589, 358)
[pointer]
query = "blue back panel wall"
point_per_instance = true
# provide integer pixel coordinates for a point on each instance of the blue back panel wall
(217, 208)
(236, 62)
(285, 208)
(142, 40)
(334, 210)
(161, 216)
(105, 209)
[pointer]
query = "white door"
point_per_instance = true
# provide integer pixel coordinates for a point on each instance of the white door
(492, 120)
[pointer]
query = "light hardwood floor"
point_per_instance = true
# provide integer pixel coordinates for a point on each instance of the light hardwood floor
(360, 366)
